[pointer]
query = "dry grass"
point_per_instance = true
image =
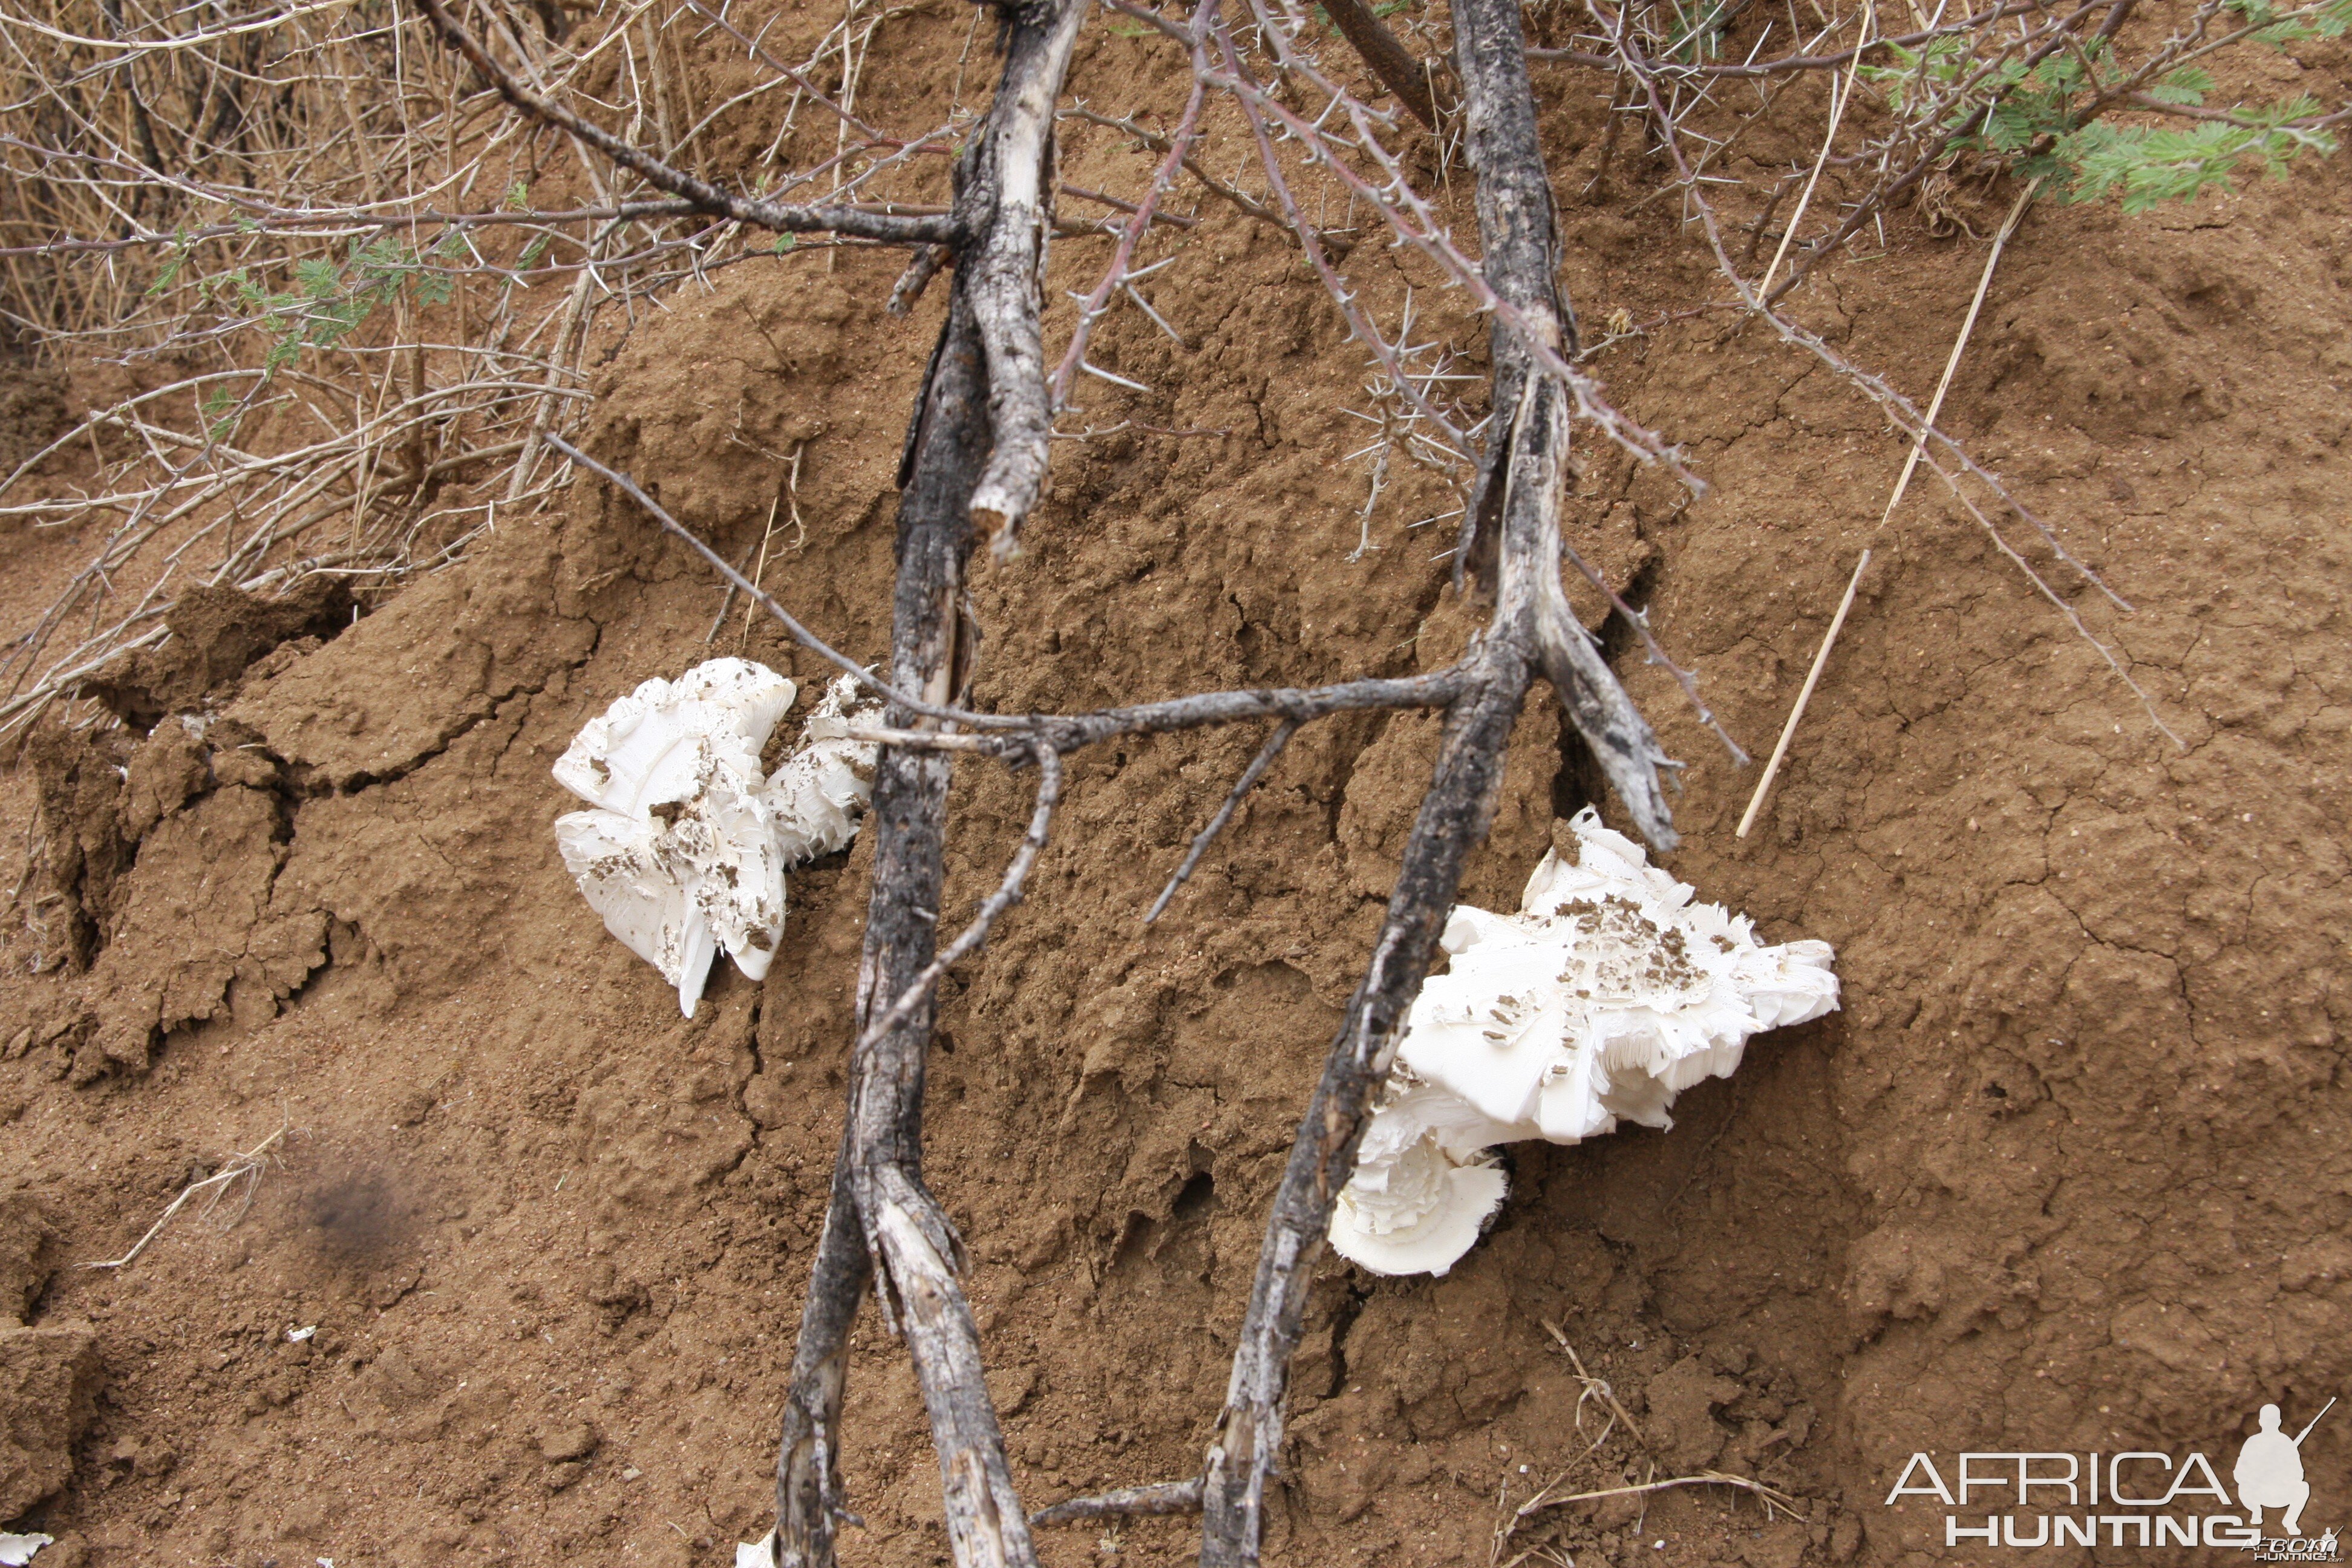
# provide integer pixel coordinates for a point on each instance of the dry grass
(303, 257)
(1595, 1391)
(232, 1186)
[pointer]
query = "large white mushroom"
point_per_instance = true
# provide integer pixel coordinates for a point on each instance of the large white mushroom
(1610, 991)
(684, 848)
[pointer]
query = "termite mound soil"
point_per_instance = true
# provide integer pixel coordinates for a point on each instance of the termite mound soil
(519, 1280)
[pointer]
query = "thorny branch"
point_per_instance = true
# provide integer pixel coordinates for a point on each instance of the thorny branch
(784, 218)
(1944, 455)
(1119, 273)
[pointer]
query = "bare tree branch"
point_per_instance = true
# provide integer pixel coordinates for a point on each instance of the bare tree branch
(1398, 70)
(1160, 1498)
(780, 217)
(879, 1209)
(1454, 819)
(1516, 225)
(1009, 191)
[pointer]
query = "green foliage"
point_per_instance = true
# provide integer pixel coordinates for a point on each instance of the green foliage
(220, 413)
(172, 266)
(2329, 20)
(2149, 165)
(329, 300)
(2047, 121)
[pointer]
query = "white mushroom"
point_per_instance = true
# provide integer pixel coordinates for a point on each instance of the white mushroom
(680, 855)
(17, 1550)
(686, 850)
(820, 791)
(1425, 1184)
(1607, 994)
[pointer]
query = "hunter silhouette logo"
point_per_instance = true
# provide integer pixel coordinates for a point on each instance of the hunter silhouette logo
(2269, 1471)
(2137, 1498)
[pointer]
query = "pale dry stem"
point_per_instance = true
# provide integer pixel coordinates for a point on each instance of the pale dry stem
(247, 1168)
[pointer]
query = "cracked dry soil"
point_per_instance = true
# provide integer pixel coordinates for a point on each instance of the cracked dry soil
(2071, 1170)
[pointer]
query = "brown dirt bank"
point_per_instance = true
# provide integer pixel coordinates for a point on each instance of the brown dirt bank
(2073, 1170)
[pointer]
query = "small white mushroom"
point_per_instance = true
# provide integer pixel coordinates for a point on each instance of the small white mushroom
(818, 792)
(1607, 994)
(680, 855)
(1425, 1182)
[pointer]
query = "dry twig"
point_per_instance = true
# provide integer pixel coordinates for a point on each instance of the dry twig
(247, 1168)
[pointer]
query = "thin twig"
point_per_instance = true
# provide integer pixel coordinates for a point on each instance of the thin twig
(780, 217)
(1959, 345)
(1773, 1497)
(1242, 787)
(1804, 696)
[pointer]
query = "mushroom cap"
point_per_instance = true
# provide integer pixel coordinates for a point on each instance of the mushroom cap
(704, 872)
(1424, 1186)
(1430, 1211)
(1609, 992)
(680, 855)
(640, 753)
(817, 794)
(620, 871)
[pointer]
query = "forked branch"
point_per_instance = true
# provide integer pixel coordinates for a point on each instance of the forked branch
(1524, 473)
